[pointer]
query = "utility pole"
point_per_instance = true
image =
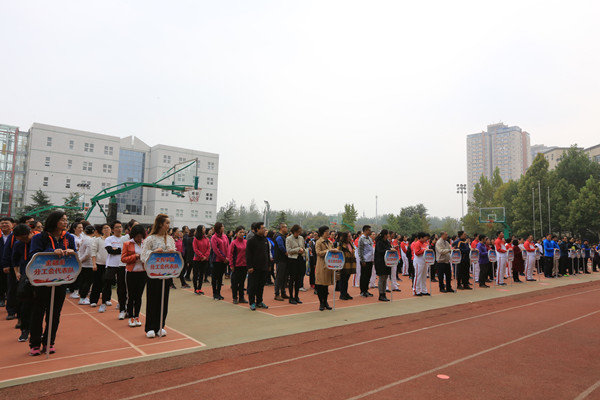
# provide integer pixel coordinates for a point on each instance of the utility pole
(533, 212)
(461, 189)
(540, 199)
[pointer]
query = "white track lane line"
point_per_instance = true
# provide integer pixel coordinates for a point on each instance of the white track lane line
(226, 374)
(588, 391)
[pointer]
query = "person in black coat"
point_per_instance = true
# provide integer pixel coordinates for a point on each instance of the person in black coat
(382, 244)
(257, 260)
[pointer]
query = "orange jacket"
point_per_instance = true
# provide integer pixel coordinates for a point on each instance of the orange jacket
(128, 255)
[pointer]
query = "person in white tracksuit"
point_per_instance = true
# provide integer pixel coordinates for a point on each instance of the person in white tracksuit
(404, 249)
(529, 248)
(418, 247)
(500, 245)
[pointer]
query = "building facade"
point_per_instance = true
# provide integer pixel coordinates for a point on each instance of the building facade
(555, 154)
(62, 161)
(504, 147)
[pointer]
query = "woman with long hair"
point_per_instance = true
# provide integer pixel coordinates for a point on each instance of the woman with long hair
(135, 275)
(219, 244)
(54, 239)
(237, 255)
(323, 275)
(382, 244)
(159, 241)
(201, 246)
(346, 246)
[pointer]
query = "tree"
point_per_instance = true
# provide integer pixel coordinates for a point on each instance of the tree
(411, 220)
(576, 167)
(585, 211)
(537, 176)
(349, 217)
(39, 199)
(227, 215)
(281, 218)
(73, 200)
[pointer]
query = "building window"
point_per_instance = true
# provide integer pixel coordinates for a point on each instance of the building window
(45, 181)
(211, 165)
(210, 181)
(107, 168)
(49, 141)
(68, 183)
(108, 150)
(164, 193)
(194, 213)
(179, 212)
(87, 166)
(208, 214)
(69, 164)
(166, 159)
(209, 196)
(47, 162)
(105, 185)
(88, 147)
(181, 159)
(71, 144)
(164, 211)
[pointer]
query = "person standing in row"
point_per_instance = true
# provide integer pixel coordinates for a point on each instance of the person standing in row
(346, 246)
(366, 256)
(135, 275)
(382, 245)
(418, 248)
(23, 235)
(188, 252)
(484, 261)
(86, 276)
(281, 259)
(257, 260)
(115, 268)
(323, 275)
(296, 263)
(219, 244)
(442, 254)
(54, 239)
(237, 255)
(518, 265)
(462, 269)
(201, 247)
(500, 245)
(159, 241)
(529, 257)
(99, 256)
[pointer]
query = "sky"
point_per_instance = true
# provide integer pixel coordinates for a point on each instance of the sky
(310, 104)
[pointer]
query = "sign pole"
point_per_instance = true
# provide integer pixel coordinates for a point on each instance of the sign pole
(50, 316)
(391, 286)
(162, 307)
(333, 291)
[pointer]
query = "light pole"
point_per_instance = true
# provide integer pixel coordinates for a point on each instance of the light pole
(461, 189)
(267, 209)
(83, 185)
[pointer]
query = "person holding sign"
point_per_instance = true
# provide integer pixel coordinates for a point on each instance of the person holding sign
(135, 275)
(323, 275)
(382, 244)
(237, 255)
(54, 239)
(346, 246)
(258, 258)
(158, 241)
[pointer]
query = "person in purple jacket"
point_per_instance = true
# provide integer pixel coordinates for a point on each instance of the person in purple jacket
(484, 261)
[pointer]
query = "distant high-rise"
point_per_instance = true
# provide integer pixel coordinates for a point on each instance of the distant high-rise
(504, 147)
(539, 148)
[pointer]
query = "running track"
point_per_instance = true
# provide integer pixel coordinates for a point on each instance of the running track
(539, 345)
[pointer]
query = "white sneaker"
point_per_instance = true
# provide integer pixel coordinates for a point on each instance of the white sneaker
(132, 322)
(75, 295)
(108, 303)
(102, 308)
(163, 332)
(81, 302)
(122, 315)
(117, 306)
(93, 305)
(138, 322)
(303, 289)
(86, 302)
(150, 334)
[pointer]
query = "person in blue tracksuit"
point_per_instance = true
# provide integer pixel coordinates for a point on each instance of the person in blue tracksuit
(586, 255)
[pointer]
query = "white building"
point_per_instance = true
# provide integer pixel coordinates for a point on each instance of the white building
(61, 161)
(504, 147)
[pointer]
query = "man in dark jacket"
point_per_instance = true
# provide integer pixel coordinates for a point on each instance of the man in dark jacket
(257, 260)
(462, 269)
(281, 259)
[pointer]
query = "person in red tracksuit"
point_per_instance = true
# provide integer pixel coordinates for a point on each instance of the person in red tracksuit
(529, 258)
(500, 246)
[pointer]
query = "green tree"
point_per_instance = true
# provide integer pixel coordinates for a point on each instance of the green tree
(410, 220)
(349, 217)
(537, 176)
(228, 216)
(585, 211)
(73, 200)
(280, 219)
(576, 167)
(39, 199)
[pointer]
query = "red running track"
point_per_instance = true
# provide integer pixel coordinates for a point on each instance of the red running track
(540, 345)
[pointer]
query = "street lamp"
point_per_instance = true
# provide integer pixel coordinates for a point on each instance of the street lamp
(83, 185)
(267, 209)
(461, 189)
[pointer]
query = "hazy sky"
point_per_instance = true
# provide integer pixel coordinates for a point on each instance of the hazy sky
(310, 104)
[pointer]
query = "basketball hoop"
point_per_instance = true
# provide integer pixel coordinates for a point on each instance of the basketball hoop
(194, 196)
(490, 223)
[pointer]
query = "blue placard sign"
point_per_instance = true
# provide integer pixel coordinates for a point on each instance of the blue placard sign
(48, 269)
(164, 265)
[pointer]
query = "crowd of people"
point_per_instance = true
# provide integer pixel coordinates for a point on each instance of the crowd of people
(114, 255)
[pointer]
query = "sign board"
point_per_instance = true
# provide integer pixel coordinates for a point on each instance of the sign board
(164, 265)
(572, 253)
(510, 255)
(48, 269)
(474, 256)
(391, 258)
(556, 254)
(334, 260)
(455, 256)
(429, 256)
(578, 253)
(538, 254)
(493, 257)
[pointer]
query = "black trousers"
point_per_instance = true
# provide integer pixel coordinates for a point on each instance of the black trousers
(256, 285)
(595, 263)
(217, 277)
(462, 273)
(153, 295)
(97, 283)
(185, 273)
(548, 261)
(40, 308)
(444, 271)
(109, 275)
(311, 275)
(365, 276)
(343, 282)
(199, 269)
(85, 282)
(187, 267)
(323, 292)
(25, 315)
(238, 278)
(3, 284)
(484, 272)
(136, 281)
(281, 276)
(563, 265)
(12, 304)
(296, 270)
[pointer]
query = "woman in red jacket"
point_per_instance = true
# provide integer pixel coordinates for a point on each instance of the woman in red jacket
(219, 243)
(136, 275)
(237, 255)
(201, 246)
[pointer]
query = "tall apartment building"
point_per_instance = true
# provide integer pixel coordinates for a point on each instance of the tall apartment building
(504, 147)
(61, 161)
